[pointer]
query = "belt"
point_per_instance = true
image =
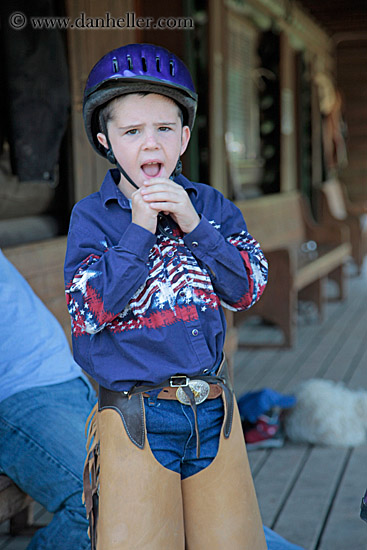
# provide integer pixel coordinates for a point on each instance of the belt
(200, 388)
(130, 406)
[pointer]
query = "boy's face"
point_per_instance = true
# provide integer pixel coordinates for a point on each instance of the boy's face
(146, 136)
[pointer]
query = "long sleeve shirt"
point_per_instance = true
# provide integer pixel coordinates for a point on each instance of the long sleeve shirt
(34, 351)
(145, 307)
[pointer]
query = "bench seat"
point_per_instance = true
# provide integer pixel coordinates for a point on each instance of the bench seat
(284, 227)
(329, 258)
(336, 209)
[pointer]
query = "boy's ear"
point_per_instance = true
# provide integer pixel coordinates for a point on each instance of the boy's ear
(102, 140)
(186, 134)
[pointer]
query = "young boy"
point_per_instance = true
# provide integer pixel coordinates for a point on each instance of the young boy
(151, 259)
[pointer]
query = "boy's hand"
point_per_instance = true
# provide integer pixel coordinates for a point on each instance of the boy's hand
(142, 214)
(164, 195)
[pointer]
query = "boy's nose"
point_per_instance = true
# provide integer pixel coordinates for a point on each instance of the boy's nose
(151, 141)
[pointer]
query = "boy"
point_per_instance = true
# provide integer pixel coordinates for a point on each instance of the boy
(151, 257)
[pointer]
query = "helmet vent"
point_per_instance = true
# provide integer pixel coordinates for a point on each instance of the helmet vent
(144, 63)
(130, 63)
(115, 65)
(172, 68)
(158, 63)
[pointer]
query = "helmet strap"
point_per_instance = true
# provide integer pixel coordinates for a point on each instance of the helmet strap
(177, 171)
(111, 156)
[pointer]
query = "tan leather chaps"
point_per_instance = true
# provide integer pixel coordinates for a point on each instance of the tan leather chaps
(144, 506)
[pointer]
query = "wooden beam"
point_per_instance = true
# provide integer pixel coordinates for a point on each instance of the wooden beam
(217, 162)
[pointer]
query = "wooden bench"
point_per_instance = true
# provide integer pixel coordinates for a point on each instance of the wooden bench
(14, 505)
(42, 266)
(283, 225)
(337, 209)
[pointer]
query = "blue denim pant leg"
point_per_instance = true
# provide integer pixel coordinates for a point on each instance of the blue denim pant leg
(171, 433)
(43, 451)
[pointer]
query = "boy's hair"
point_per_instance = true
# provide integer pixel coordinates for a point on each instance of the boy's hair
(106, 111)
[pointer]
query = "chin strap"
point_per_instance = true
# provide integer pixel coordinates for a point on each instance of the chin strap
(111, 156)
(177, 171)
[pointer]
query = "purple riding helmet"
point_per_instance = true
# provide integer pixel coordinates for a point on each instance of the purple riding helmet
(131, 69)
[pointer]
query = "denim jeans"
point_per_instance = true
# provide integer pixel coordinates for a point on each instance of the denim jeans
(171, 433)
(43, 450)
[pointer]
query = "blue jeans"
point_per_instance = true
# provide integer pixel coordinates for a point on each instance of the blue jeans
(43, 451)
(171, 433)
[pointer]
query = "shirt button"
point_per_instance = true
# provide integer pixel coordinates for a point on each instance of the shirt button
(195, 244)
(182, 293)
(195, 332)
(170, 254)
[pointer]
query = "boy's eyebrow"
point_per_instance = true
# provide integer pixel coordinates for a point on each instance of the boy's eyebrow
(163, 123)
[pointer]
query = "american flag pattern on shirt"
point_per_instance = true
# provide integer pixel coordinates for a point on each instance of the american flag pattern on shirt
(176, 288)
(257, 270)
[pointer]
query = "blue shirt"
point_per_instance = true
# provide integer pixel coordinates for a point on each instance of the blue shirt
(145, 307)
(34, 350)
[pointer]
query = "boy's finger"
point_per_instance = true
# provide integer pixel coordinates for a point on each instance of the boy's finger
(166, 207)
(163, 196)
(154, 181)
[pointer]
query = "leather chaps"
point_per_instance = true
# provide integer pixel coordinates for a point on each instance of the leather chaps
(135, 503)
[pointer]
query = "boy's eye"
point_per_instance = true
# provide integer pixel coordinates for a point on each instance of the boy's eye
(132, 132)
(164, 128)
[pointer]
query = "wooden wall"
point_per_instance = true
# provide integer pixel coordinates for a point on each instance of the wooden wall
(352, 81)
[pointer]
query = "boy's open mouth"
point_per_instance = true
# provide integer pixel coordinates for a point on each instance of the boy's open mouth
(151, 169)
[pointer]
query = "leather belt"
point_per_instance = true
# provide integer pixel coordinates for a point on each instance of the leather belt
(171, 393)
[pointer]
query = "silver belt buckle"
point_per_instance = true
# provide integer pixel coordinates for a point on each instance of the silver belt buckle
(199, 388)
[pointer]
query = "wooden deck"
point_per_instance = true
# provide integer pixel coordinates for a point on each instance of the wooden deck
(310, 495)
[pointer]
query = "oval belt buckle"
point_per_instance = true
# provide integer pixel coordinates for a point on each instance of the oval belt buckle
(199, 388)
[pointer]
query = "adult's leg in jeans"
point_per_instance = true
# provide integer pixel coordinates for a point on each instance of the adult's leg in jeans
(43, 451)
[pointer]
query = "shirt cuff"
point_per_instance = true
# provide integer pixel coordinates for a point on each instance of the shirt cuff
(203, 238)
(137, 240)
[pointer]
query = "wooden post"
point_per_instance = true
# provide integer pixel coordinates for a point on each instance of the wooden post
(288, 142)
(218, 173)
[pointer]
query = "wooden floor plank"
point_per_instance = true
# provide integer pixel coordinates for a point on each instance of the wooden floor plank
(303, 515)
(250, 366)
(342, 367)
(285, 368)
(329, 341)
(276, 478)
(358, 371)
(257, 459)
(344, 529)
(15, 543)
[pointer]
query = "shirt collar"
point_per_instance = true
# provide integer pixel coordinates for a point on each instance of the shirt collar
(109, 190)
(186, 184)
